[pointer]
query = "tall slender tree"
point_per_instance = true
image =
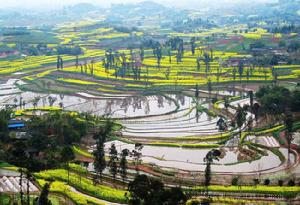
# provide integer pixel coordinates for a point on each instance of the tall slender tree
(99, 154)
(142, 53)
(77, 62)
(113, 160)
(28, 179)
(241, 70)
(137, 154)
(198, 63)
(209, 158)
(67, 155)
(21, 183)
(207, 63)
(193, 46)
(288, 121)
(123, 163)
(240, 118)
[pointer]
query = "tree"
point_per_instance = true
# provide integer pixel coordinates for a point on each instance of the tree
(35, 101)
(67, 155)
(209, 158)
(267, 182)
(28, 176)
(248, 75)
(240, 118)
(21, 186)
(51, 100)
(76, 61)
(170, 55)
(211, 54)
(142, 53)
(174, 196)
(209, 87)
(274, 100)
(123, 163)
(167, 73)
(33, 51)
(234, 74)
(91, 67)
(17, 155)
(275, 76)
(256, 109)
(136, 154)
(158, 53)
(251, 96)
(180, 51)
(235, 181)
(4, 118)
(288, 121)
(58, 62)
(99, 153)
(241, 70)
(255, 182)
(221, 125)
(226, 104)
(207, 62)
(43, 198)
(113, 159)
(144, 189)
(150, 191)
(193, 46)
(218, 73)
(197, 91)
(198, 63)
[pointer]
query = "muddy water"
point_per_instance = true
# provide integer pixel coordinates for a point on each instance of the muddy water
(118, 108)
(192, 159)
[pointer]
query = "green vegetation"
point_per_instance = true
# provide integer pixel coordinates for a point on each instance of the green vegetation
(65, 190)
(184, 60)
(81, 152)
(196, 146)
(83, 184)
(288, 192)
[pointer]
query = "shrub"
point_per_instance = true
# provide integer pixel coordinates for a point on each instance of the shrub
(255, 182)
(267, 182)
(235, 181)
(291, 182)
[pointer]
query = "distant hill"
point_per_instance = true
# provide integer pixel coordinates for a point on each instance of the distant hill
(82, 8)
(145, 8)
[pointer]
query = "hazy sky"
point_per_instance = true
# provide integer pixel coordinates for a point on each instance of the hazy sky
(53, 3)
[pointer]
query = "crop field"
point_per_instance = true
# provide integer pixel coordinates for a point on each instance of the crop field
(178, 93)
